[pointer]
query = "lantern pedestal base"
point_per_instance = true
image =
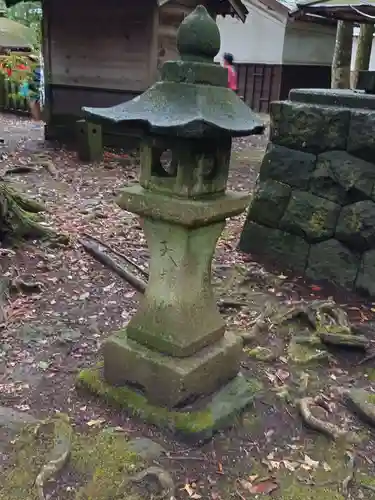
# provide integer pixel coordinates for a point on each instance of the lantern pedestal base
(166, 380)
(217, 412)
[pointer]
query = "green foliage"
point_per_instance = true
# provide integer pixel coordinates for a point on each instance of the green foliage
(29, 14)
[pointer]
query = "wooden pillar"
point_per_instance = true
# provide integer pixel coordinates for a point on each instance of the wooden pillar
(47, 6)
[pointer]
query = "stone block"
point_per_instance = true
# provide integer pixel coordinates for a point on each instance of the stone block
(361, 139)
(342, 178)
(182, 211)
(332, 261)
(356, 226)
(365, 283)
(308, 127)
(287, 165)
(343, 98)
(269, 202)
(310, 216)
(287, 250)
(167, 380)
(89, 141)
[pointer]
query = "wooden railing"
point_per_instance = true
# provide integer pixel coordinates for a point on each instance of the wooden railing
(10, 99)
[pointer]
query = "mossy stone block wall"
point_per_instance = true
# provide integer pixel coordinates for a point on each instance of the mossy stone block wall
(313, 209)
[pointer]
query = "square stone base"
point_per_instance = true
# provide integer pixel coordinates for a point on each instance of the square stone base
(166, 380)
(218, 412)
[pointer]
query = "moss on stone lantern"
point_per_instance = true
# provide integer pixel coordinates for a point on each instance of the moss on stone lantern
(175, 348)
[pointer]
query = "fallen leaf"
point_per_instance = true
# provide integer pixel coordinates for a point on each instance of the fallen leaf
(274, 464)
(282, 374)
(43, 365)
(326, 467)
(310, 463)
(246, 485)
(96, 423)
(190, 491)
(269, 433)
(291, 466)
(266, 487)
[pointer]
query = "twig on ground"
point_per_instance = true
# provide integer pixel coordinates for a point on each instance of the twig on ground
(230, 304)
(182, 457)
(366, 359)
(21, 169)
(367, 487)
(116, 252)
(94, 250)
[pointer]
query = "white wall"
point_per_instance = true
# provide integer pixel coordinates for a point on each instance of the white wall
(308, 43)
(259, 40)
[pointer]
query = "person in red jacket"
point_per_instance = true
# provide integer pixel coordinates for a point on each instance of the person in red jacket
(232, 73)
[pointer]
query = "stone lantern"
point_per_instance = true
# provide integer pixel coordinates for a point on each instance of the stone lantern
(175, 349)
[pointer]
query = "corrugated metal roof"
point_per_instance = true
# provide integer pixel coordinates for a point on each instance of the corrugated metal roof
(357, 11)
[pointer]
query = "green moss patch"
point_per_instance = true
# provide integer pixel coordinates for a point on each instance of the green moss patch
(107, 469)
(303, 353)
(102, 463)
(196, 425)
(27, 456)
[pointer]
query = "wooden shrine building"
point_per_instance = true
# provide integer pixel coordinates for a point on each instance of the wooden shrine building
(101, 53)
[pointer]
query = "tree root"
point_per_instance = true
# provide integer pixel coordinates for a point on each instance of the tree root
(44, 161)
(163, 477)
(327, 428)
(17, 220)
(319, 315)
(59, 455)
(343, 340)
(367, 487)
(259, 325)
(22, 286)
(50, 167)
(351, 476)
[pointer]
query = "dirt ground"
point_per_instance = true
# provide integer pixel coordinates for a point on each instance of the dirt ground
(51, 335)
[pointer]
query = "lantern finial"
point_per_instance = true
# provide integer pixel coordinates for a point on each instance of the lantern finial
(198, 37)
